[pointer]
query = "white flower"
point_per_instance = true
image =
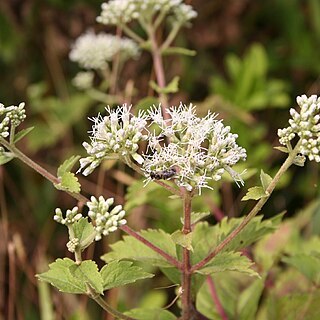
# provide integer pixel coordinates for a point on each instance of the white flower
(115, 135)
(83, 80)
(12, 115)
(306, 126)
(199, 149)
(94, 51)
(106, 221)
(71, 216)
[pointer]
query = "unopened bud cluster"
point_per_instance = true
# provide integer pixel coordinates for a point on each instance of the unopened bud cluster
(73, 244)
(115, 135)
(94, 51)
(105, 221)
(305, 124)
(119, 12)
(12, 115)
(70, 218)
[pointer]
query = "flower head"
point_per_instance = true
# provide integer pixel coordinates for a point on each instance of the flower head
(304, 124)
(12, 115)
(94, 51)
(106, 221)
(200, 149)
(115, 135)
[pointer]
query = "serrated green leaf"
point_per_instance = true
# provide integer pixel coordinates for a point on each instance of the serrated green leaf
(183, 240)
(87, 272)
(120, 273)
(282, 149)
(131, 249)
(265, 180)
(150, 314)
(67, 165)
(229, 261)
(254, 193)
(6, 157)
(178, 50)
(84, 231)
(197, 216)
(22, 133)
(69, 182)
(249, 300)
(60, 276)
(172, 87)
(307, 264)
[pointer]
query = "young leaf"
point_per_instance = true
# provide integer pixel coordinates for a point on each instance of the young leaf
(265, 180)
(84, 231)
(22, 133)
(282, 149)
(67, 165)
(178, 50)
(69, 182)
(229, 261)
(254, 193)
(150, 314)
(131, 249)
(183, 240)
(87, 272)
(6, 157)
(172, 87)
(120, 273)
(59, 276)
(197, 216)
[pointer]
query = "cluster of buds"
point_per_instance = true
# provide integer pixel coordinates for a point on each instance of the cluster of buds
(70, 218)
(115, 135)
(119, 12)
(94, 51)
(105, 221)
(200, 149)
(304, 124)
(12, 115)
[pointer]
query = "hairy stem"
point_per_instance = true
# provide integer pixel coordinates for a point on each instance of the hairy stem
(186, 300)
(165, 255)
(285, 166)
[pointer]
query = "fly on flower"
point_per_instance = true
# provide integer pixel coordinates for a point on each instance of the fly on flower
(164, 174)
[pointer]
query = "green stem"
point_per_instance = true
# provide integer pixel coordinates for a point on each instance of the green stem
(105, 306)
(132, 34)
(173, 33)
(186, 299)
(285, 166)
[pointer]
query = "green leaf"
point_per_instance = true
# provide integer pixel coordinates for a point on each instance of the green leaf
(265, 180)
(183, 240)
(84, 231)
(150, 314)
(22, 133)
(178, 50)
(249, 299)
(120, 273)
(282, 149)
(254, 193)
(69, 182)
(197, 216)
(172, 87)
(307, 264)
(67, 165)
(87, 272)
(59, 276)
(131, 249)
(6, 157)
(229, 261)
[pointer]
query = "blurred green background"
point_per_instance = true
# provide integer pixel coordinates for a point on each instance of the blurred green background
(253, 58)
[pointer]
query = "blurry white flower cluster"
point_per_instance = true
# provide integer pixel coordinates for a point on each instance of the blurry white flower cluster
(12, 115)
(119, 12)
(94, 51)
(115, 135)
(105, 221)
(199, 149)
(305, 124)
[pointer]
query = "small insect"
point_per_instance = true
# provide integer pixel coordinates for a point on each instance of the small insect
(164, 174)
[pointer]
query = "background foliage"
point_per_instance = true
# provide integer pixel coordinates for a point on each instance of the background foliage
(253, 58)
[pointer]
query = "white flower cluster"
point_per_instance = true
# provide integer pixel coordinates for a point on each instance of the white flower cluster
(94, 51)
(113, 136)
(71, 216)
(306, 125)
(105, 221)
(199, 149)
(118, 12)
(83, 80)
(13, 115)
